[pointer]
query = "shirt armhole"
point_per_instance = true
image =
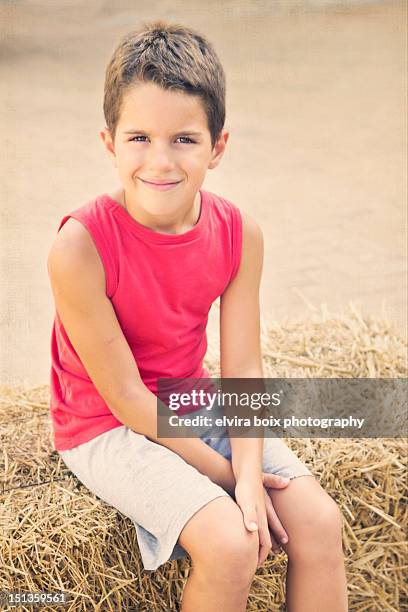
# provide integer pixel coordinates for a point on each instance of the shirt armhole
(103, 249)
(236, 240)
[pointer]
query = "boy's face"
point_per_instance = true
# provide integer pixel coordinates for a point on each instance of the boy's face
(162, 148)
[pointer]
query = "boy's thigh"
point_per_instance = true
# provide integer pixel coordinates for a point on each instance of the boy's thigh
(144, 480)
(310, 516)
(301, 497)
(303, 505)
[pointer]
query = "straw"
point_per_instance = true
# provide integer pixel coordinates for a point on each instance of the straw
(58, 536)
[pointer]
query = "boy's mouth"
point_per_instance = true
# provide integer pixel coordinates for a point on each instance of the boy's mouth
(160, 184)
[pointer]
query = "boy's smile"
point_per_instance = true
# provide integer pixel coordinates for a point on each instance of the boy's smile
(162, 150)
(160, 185)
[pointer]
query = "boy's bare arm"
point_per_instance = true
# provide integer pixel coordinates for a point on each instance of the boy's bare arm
(241, 355)
(78, 283)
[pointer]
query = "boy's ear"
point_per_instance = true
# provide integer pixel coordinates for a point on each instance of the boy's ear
(219, 148)
(108, 142)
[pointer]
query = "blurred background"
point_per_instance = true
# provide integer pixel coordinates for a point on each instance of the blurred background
(316, 103)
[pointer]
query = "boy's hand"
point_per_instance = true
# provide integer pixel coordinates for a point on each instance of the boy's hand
(259, 513)
(278, 533)
(249, 495)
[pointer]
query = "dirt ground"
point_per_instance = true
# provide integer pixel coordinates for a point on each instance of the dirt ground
(317, 153)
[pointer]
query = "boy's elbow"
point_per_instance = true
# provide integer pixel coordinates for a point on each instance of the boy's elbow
(124, 401)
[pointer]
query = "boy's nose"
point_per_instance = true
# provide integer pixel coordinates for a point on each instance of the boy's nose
(159, 159)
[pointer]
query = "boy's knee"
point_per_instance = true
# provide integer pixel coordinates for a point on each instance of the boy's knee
(329, 522)
(229, 554)
(321, 530)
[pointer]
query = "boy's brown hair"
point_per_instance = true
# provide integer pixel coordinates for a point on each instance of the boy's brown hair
(172, 56)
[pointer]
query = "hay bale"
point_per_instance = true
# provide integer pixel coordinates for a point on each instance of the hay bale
(58, 536)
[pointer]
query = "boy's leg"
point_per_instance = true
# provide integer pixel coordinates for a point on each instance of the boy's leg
(316, 578)
(224, 558)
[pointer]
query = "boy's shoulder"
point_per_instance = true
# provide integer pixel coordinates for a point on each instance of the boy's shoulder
(89, 210)
(247, 221)
(223, 206)
(73, 231)
(73, 242)
(219, 199)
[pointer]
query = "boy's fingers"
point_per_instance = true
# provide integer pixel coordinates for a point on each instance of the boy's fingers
(263, 555)
(250, 517)
(273, 481)
(265, 542)
(251, 522)
(274, 523)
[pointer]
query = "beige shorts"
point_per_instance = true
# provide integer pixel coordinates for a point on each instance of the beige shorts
(155, 487)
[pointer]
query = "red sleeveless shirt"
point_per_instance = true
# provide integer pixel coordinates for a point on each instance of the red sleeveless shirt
(161, 287)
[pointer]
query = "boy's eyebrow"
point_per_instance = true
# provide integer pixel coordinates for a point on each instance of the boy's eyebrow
(183, 133)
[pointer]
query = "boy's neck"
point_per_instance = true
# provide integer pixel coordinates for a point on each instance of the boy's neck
(185, 223)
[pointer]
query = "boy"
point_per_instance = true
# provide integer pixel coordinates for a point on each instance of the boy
(134, 274)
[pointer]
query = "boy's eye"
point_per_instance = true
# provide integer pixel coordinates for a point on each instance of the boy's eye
(185, 138)
(141, 138)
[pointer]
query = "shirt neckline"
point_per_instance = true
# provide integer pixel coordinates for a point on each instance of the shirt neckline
(152, 236)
